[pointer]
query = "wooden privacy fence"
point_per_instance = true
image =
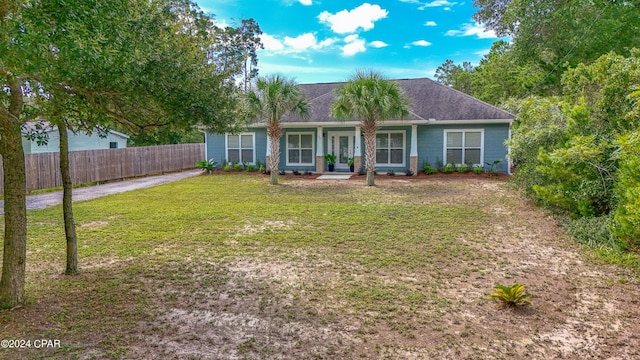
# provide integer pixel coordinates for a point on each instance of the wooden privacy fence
(43, 170)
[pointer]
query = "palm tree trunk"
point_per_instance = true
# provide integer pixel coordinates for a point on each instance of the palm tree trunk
(67, 203)
(369, 128)
(15, 213)
(274, 131)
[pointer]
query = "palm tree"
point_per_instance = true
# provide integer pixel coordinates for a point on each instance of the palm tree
(370, 97)
(274, 97)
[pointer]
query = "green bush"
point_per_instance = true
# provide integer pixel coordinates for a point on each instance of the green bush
(428, 169)
(478, 169)
(595, 232)
(448, 169)
(627, 215)
(462, 168)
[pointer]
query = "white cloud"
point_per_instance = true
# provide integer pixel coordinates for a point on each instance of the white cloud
(301, 42)
(326, 42)
(346, 21)
(351, 38)
(378, 44)
(421, 43)
(271, 43)
(430, 23)
(476, 29)
(298, 44)
(437, 3)
(354, 47)
(303, 2)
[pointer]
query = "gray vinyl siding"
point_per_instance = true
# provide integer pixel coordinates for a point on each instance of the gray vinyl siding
(431, 143)
(216, 146)
(494, 147)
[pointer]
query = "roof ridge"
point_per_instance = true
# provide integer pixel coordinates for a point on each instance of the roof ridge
(318, 97)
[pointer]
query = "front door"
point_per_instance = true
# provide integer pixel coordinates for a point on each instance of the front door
(340, 143)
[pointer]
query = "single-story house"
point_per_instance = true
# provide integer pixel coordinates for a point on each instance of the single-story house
(80, 141)
(444, 126)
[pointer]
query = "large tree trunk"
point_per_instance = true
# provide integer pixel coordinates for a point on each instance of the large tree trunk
(274, 131)
(15, 206)
(67, 202)
(369, 129)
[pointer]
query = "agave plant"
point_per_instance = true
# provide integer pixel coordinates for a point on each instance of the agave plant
(509, 296)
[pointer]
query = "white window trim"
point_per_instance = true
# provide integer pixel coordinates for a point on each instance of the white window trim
(253, 145)
(313, 148)
(463, 131)
(404, 148)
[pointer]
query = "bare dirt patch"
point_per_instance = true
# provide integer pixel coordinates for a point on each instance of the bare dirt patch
(93, 225)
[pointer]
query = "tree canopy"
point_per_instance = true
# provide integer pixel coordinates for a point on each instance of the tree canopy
(133, 64)
(274, 97)
(370, 98)
(547, 38)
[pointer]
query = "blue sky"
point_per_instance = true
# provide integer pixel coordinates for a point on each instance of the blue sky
(326, 41)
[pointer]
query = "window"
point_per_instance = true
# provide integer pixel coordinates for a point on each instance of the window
(463, 146)
(240, 148)
(390, 148)
(300, 149)
(113, 145)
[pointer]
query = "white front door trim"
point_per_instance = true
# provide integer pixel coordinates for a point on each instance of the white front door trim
(333, 147)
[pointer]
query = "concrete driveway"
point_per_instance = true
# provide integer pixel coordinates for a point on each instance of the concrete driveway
(41, 201)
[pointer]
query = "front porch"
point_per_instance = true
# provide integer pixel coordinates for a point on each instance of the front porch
(304, 149)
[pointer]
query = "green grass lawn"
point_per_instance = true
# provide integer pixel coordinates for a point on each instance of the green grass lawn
(227, 266)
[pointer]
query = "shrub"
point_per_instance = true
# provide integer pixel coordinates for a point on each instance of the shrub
(478, 169)
(492, 167)
(627, 214)
(509, 296)
(237, 167)
(408, 172)
(250, 167)
(428, 169)
(207, 165)
(227, 167)
(595, 232)
(462, 168)
(448, 169)
(296, 172)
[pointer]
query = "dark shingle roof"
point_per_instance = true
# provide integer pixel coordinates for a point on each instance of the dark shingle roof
(430, 100)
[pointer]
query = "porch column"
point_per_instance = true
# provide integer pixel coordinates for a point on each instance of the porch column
(413, 156)
(319, 151)
(357, 152)
(268, 157)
